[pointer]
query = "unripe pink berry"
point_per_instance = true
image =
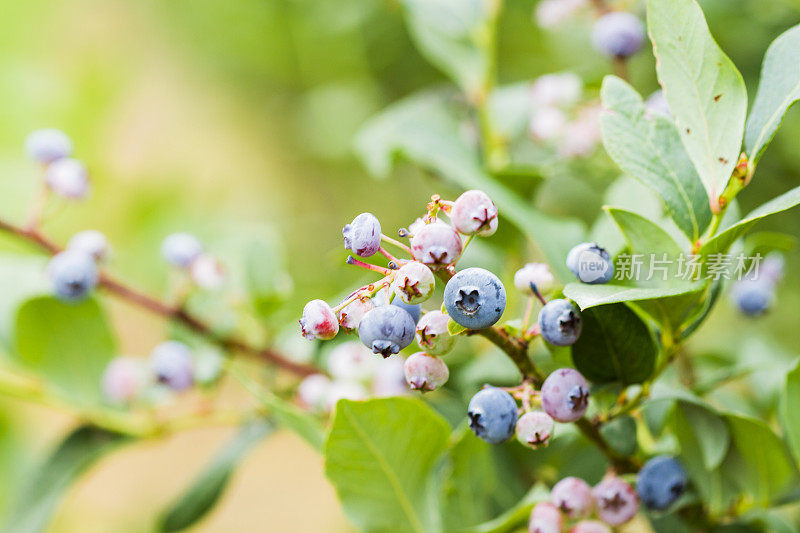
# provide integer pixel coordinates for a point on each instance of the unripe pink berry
(207, 272)
(123, 379)
(68, 177)
(534, 429)
(313, 391)
(474, 213)
(351, 361)
(436, 245)
(318, 321)
(537, 274)
(545, 518)
(573, 496)
(413, 283)
(90, 242)
(432, 333)
(350, 316)
(425, 372)
(616, 501)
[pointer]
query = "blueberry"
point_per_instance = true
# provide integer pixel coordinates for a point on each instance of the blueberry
(318, 321)
(90, 242)
(616, 501)
(534, 275)
(415, 310)
(436, 245)
(73, 274)
(123, 379)
(351, 361)
(351, 315)
(172, 364)
(413, 283)
(590, 263)
(573, 496)
(560, 322)
(48, 145)
(425, 372)
(207, 272)
(565, 395)
(68, 177)
(363, 235)
(492, 415)
(387, 329)
(313, 391)
(432, 333)
(590, 526)
(618, 34)
(180, 249)
(474, 213)
(475, 298)
(534, 429)
(390, 378)
(753, 297)
(545, 518)
(661, 481)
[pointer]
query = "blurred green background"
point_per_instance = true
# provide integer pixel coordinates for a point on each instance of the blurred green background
(215, 116)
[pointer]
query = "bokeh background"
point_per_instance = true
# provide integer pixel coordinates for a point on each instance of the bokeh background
(216, 116)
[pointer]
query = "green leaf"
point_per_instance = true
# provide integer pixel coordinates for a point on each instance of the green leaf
(620, 433)
(267, 282)
(705, 91)
(722, 242)
(789, 414)
(69, 344)
(642, 235)
(22, 279)
(283, 412)
(778, 90)
(516, 516)
(650, 150)
(588, 296)
(380, 456)
(762, 463)
(38, 499)
(206, 490)
(614, 345)
(424, 129)
(454, 328)
(469, 476)
(451, 35)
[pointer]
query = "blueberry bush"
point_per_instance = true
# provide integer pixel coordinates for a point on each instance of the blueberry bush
(515, 360)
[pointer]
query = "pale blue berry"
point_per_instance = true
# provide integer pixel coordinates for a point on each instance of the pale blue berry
(181, 249)
(492, 415)
(590, 263)
(73, 274)
(573, 496)
(475, 298)
(618, 34)
(47, 145)
(565, 395)
(386, 330)
(560, 322)
(68, 178)
(363, 235)
(616, 501)
(172, 365)
(661, 481)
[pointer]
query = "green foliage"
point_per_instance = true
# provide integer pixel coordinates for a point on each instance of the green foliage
(778, 90)
(615, 345)
(650, 150)
(44, 488)
(67, 343)
(205, 491)
(384, 473)
(705, 91)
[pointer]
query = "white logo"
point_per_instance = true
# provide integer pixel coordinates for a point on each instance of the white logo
(591, 266)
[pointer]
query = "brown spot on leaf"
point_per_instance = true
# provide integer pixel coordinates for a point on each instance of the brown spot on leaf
(716, 98)
(688, 130)
(723, 160)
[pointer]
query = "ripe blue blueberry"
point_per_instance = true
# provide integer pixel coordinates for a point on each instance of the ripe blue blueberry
(173, 365)
(492, 415)
(475, 298)
(616, 501)
(90, 242)
(753, 297)
(180, 249)
(565, 395)
(415, 310)
(661, 481)
(560, 322)
(425, 372)
(618, 34)
(363, 235)
(47, 145)
(68, 178)
(73, 274)
(573, 496)
(387, 329)
(590, 263)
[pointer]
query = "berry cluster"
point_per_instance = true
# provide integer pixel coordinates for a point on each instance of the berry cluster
(613, 501)
(172, 366)
(387, 316)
